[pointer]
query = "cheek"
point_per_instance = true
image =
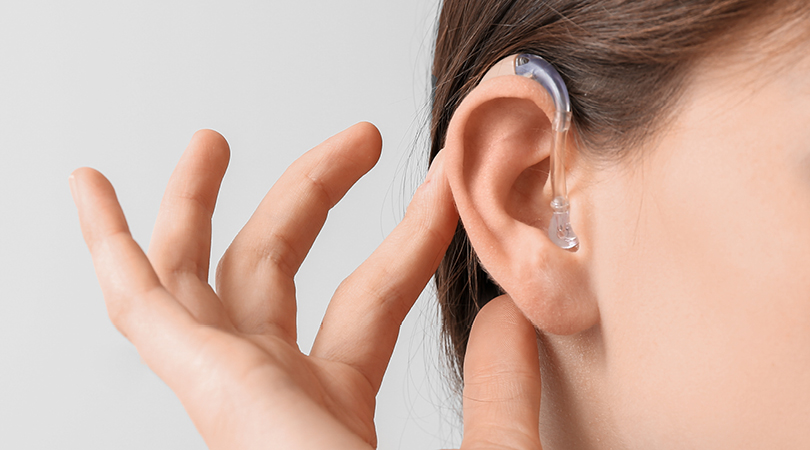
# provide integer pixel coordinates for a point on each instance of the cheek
(801, 158)
(712, 323)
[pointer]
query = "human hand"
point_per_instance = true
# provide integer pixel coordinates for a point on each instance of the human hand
(231, 355)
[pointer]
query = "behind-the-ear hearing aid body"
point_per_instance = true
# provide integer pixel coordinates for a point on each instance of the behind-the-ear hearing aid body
(539, 70)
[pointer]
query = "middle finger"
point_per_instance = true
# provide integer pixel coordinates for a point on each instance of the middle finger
(255, 276)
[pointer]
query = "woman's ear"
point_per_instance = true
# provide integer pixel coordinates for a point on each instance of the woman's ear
(497, 162)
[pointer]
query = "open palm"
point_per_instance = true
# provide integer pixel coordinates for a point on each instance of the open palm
(231, 356)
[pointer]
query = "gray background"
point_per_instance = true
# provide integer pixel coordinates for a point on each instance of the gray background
(122, 86)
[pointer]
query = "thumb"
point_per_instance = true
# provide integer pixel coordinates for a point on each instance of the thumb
(501, 380)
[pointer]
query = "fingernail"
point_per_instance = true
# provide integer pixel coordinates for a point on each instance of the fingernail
(435, 166)
(73, 189)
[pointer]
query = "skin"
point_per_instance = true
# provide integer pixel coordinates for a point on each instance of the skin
(706, 320)
(683, 321)
(230, 355)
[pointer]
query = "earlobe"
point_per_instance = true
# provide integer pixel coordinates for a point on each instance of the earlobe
(497, 155)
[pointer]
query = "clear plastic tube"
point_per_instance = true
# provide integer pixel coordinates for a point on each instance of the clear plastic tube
(538, 69)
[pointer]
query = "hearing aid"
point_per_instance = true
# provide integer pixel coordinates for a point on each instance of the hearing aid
(538, 69)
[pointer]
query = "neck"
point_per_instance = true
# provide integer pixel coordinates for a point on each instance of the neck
(575, 412)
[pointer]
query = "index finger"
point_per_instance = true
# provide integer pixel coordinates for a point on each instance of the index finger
(362, 322)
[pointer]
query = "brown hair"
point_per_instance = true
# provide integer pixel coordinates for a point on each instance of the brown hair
(624, 63)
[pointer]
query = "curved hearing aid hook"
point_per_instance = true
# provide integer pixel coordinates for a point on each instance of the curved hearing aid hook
(539, 70)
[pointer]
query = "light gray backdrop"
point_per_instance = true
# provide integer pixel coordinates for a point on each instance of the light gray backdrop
(121, 86)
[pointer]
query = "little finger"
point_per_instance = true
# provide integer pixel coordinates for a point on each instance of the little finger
(137, 303)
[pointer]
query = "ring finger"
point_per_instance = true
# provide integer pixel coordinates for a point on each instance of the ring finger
(181, 241)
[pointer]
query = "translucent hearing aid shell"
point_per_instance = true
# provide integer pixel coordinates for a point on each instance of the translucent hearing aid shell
(539, 70)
